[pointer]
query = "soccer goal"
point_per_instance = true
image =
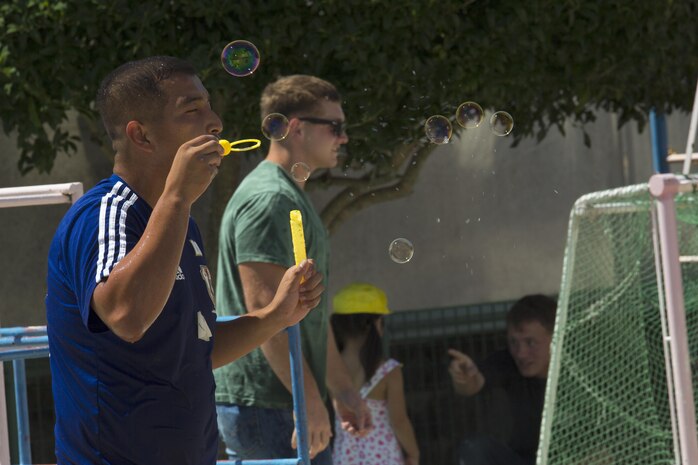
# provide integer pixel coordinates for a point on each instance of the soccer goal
(620, 389)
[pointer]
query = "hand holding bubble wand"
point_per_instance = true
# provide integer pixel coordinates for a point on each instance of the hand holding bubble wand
(294, 346)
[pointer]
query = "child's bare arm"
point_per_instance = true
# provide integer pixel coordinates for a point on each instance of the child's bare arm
(397, 411)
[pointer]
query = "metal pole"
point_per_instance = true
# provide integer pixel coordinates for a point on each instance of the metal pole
(23, 353)
(23, 331)
(25, 454)
(664, 187)
(659, 142)
(296, 360)
(691, 135)
(23, 341)
(4, 434)
(665, 333)
(294, 347)
(40, 195)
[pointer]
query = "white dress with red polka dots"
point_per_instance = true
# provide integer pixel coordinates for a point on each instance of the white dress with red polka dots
(379, 446)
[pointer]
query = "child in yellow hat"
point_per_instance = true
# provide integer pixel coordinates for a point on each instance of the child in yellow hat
(357, 322)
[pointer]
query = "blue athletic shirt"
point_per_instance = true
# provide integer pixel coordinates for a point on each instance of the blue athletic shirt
(149, 402)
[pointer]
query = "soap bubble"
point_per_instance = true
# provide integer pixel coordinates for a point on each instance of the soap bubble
(240, 58)
(501, 123)
(401, 250)
(438, 129)
(300, 172)
(275, 126)
(469, 115)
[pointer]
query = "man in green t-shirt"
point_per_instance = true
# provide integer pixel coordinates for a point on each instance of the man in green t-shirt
(253, 395)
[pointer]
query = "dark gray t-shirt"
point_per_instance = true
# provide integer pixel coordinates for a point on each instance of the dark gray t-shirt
(514, 402)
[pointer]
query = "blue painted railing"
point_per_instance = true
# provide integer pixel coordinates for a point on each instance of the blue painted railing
(658, 137)
(19, 344)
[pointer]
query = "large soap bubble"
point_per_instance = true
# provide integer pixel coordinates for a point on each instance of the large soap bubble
(401, 250)
(438, 129)
(501, 123)
(240, 58)
(469, 115)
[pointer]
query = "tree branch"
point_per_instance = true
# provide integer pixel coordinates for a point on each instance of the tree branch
(360, 196)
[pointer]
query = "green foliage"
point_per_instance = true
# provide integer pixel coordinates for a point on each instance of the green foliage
(396, 63)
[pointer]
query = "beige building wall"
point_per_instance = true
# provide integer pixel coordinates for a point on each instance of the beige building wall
(488, 221)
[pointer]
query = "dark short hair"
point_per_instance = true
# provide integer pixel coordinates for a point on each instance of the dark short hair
(133, 92)
(356, 325)
(535, 307)
(296, 94)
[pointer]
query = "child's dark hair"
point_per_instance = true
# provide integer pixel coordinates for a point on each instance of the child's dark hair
(356, 325)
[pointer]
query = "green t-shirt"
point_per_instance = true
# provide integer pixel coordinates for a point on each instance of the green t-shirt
(255, 228)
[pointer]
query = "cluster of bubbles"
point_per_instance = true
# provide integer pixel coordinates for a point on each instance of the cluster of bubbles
(275, 127)
(241, 58)
(469, 115)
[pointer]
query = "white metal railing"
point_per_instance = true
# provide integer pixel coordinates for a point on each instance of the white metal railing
(48, 194)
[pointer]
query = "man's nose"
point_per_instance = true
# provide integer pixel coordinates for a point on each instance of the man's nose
(215, 126)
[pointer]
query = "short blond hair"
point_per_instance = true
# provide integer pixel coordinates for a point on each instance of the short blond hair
(295, 95)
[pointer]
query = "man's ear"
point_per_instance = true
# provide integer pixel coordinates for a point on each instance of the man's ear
(136, 134)
(294, 126)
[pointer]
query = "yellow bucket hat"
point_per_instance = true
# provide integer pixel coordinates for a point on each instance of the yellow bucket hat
(360, 298)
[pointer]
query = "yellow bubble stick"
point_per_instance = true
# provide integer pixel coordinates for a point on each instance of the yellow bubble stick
(235, 146)
(297, 236)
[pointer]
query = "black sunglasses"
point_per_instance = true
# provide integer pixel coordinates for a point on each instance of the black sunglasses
(338, 127)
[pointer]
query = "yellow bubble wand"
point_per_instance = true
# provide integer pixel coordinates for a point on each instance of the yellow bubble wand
(233, 146)
(297, 236)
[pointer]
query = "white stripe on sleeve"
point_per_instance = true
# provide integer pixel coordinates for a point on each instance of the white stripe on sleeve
(122, 226)
(113, 211)
(103, 228)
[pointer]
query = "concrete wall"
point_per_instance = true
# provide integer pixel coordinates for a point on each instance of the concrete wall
(488, 221)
